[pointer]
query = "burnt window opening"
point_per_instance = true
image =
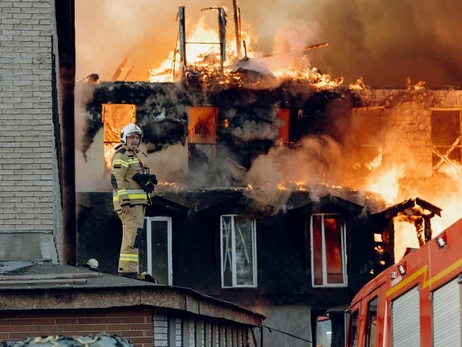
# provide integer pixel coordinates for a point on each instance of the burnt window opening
(446, 139)
(114, 118)
(368, 138)
(283, 117)
(328, 250)
(238, 251)
(202, 139)
(156, 249)
(202, 125)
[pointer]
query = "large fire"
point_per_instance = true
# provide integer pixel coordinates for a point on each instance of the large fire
(203, 59)
(393, 184)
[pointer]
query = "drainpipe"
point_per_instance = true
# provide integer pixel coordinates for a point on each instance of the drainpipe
(65, 23)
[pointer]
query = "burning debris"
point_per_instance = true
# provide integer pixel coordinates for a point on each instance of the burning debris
(417, 212)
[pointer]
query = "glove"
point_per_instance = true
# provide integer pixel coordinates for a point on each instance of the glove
(145, 182)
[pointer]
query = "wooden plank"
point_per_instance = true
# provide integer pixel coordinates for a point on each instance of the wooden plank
(49, 276)
(42, 282)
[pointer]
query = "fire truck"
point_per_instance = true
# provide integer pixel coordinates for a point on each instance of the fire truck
(415, 302)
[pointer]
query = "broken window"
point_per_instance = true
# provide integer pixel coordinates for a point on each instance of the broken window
(156, 250)
(368, 137)
(446, 139)
(328, 261)
(238, 251)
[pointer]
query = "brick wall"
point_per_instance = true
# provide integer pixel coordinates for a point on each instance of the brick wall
(28, 171)
(135, 324)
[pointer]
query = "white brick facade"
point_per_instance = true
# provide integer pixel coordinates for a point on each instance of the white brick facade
(29, 193)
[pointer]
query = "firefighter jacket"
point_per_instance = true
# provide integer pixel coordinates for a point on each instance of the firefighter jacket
(127, 192)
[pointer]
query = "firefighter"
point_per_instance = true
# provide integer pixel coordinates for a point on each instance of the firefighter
(132, 185)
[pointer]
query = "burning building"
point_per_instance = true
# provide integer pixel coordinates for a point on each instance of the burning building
(282, 191)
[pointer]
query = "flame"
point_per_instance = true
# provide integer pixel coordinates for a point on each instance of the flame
(391, 186)
(202, 52)
(405, 236)
(203, 61)
(387, 184)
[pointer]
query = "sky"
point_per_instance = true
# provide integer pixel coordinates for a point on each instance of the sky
(382, 41)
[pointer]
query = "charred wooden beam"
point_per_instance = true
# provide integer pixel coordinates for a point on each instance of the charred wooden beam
(445, 157)
(119, 69)
(222, 35)
(237, 28)
(393, 211)
(182, 23)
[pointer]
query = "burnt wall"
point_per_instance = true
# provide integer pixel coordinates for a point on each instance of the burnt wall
(247, 124)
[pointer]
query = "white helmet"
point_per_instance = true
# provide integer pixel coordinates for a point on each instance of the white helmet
(93, 264)
(128, 130)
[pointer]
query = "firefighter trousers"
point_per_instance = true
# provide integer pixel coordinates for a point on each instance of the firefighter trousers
(132, 231)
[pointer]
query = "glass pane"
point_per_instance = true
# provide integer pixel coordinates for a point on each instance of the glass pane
(317, 250)
(371, 323)
(227, 251)
(159, 248)
(332, 234)
(353, 339)
(243, 231)
(323, 332)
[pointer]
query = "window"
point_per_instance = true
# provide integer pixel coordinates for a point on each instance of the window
(238, 251)
(372, 323)
(115, 117)
(446, 139)
(353, 330)
(328, 259)
(369, 144)
(157, 259)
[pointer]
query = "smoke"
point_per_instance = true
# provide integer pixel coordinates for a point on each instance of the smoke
(314, 163)
(384, 42)
(264, 126)
(83, 94)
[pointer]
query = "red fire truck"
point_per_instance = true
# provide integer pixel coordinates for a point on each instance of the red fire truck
(415, 302)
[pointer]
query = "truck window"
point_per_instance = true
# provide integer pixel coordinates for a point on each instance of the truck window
(353, 330)
(323, 331)
(372, 323)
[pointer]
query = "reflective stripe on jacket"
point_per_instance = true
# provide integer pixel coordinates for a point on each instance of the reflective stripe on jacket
(127, 192)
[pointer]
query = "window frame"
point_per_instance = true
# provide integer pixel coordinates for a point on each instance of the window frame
(233, 248)
(371, 340)
(324, 260)
(353, 330)
(149, 221)
(451, 146)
